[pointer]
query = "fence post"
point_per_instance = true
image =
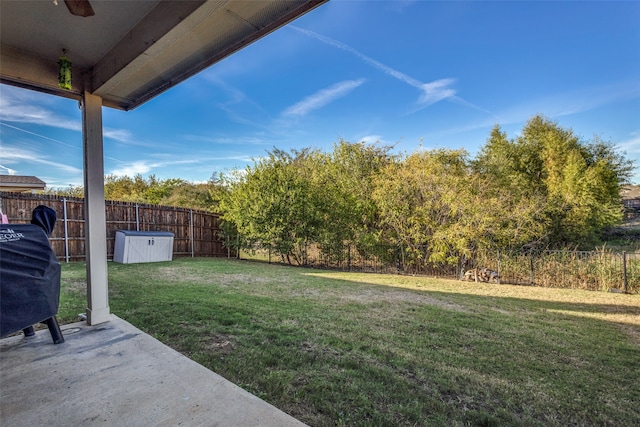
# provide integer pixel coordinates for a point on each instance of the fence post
(66, 230)
(137, 219)
(191, 238)
(624, 270)
(531, 266)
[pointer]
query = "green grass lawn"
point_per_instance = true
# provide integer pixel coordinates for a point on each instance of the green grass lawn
(356, 349)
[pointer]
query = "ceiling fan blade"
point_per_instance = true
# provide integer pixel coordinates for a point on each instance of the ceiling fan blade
(79, 7)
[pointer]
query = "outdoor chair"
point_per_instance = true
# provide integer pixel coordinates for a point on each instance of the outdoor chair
(29, 276)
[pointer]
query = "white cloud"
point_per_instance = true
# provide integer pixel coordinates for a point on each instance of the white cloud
(370, 139)
(120, 135)
(12, 155)
(238, 106)
(436, 91)
(631, 145)
(144, 167)
(631, 148)
(570, 102)
(39, 136)
(335, 43)
(589, 98)
(322, 97)
(432, 92)
(239, 140)
(9, 170)
(399, 6)
(22, 106)
(131, 169)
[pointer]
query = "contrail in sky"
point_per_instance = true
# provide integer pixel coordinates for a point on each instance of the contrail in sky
(322, 98)
(51, 139)
(431, 92)
(38, 135)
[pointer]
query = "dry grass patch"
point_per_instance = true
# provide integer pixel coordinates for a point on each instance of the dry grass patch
(368, 296)
(77, 287)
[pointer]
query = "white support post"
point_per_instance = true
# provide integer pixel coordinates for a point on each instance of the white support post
(95, 219)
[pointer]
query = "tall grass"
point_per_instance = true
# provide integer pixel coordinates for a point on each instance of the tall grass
(601, 270)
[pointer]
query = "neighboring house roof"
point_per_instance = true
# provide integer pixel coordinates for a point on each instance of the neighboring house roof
(20, 183)
(630, 192)
(631, 197)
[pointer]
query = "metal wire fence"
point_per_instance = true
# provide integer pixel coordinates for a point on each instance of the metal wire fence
(603, 270)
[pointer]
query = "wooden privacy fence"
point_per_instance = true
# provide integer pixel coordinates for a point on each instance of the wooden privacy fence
(197, 233)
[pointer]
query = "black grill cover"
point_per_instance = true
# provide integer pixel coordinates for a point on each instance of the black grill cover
(29, 277)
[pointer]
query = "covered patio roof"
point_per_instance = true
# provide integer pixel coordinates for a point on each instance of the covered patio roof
(123, 53)
(130, 51)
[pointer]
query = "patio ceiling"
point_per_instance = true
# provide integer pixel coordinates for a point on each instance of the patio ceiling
(130, 51)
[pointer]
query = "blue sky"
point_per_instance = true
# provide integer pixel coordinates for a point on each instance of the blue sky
(406, 73)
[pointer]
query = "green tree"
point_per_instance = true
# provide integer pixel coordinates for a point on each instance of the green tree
(151, 190)
(421, 199)
(274, 205)
(125, 188)
(344, 181)
(159, 192)
(574, 185)
(70, 191)
(190, 195)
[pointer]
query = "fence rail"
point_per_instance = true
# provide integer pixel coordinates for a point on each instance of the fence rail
(592, 270)
(196, 232)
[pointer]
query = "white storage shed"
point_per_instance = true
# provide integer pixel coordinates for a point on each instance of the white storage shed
(142, 246)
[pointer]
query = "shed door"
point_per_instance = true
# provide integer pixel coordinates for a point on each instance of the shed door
(161, 249)
(138, 249)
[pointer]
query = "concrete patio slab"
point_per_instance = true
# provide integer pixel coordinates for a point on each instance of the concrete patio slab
(114, 374)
